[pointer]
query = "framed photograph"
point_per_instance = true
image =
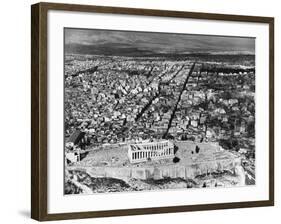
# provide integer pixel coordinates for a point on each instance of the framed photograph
(140, 111)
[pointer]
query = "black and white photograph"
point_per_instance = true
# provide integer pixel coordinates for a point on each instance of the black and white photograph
(151, 111)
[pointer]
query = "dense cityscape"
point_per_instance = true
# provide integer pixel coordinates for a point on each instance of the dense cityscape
(119, 99)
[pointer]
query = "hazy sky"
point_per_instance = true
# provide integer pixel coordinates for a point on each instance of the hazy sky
(95, 40)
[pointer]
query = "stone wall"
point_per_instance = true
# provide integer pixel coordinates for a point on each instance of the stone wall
(160, 171)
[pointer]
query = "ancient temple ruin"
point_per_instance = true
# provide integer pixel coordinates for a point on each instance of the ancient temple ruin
(142, 152)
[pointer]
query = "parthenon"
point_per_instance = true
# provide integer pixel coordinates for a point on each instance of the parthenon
(143, 152)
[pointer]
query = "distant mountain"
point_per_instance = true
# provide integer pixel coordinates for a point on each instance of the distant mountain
(135, 43)
(122, 49)
(105, 49)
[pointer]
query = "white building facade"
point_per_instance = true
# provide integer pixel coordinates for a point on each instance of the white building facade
(142, 152)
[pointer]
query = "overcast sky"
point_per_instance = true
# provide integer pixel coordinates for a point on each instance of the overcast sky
(155, 42)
